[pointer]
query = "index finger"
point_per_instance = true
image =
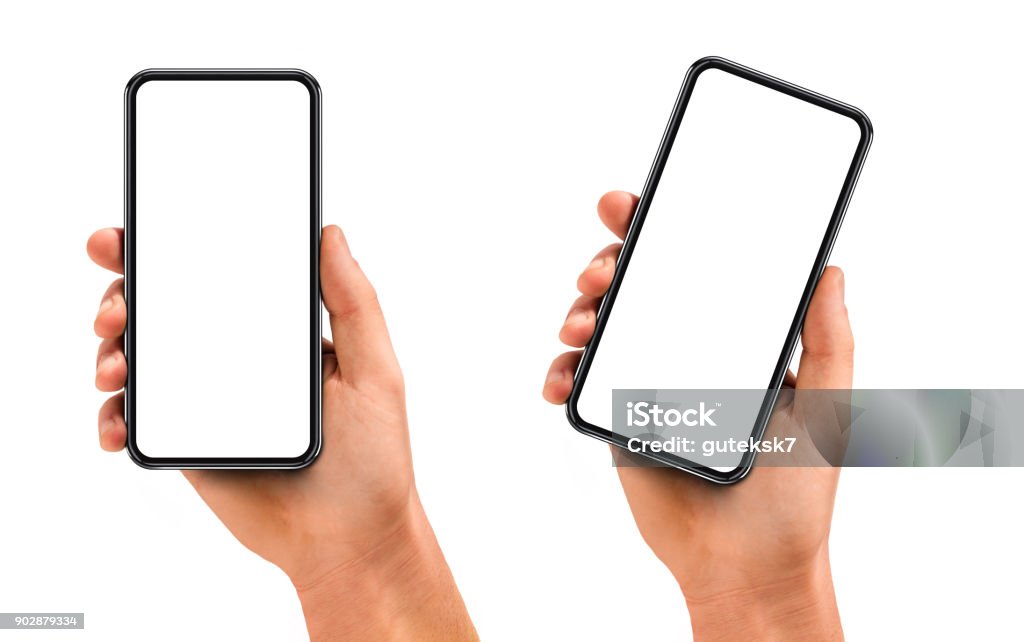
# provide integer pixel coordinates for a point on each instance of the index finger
(106, 249)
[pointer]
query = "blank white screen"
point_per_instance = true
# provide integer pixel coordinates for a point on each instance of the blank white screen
(727, 246)
(222, 274)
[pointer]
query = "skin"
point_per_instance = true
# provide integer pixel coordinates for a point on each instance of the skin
(751, 559)
(349, 531)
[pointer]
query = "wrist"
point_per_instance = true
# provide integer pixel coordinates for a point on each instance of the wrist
(400, 589)
(800, 605)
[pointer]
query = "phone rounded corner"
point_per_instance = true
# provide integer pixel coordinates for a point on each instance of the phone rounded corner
(701, 65)
(308, 81)
(139, 458)
(572, 415)
(311, 454)
(737, 475)
(135, 83)
(867, 129)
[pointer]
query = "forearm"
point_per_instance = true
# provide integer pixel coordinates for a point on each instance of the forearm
(403, 590)
(801, 606)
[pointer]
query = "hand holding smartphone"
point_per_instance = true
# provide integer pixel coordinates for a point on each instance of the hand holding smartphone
(246, 158)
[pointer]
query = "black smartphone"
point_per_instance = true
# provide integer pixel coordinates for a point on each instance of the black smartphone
(732, 231)
(222, 229)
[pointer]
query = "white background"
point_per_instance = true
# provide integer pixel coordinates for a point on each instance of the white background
(464, 150)
(222, 181)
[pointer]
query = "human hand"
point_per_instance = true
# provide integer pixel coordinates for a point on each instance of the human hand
(751, 559)
(349, 530)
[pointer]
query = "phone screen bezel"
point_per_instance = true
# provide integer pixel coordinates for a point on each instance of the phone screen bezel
(636, 225)
(315, 439)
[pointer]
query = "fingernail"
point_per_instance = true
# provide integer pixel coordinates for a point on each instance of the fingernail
(598, 263)
(842, 284)
(106, 304)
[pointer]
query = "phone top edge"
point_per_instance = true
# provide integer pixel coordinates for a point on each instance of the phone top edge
(212, 73)
(797, 91)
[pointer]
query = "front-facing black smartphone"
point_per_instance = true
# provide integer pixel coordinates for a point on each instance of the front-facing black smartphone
(730, 236)
(222, 228)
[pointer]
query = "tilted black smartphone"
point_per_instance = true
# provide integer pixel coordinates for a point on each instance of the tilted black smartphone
(732, 231)
(222, 229)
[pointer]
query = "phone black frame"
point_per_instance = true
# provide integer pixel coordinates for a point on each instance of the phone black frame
(315, 440)
(629, 243)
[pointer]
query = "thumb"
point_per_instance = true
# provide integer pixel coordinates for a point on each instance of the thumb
(827, 359)
(361, 340)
